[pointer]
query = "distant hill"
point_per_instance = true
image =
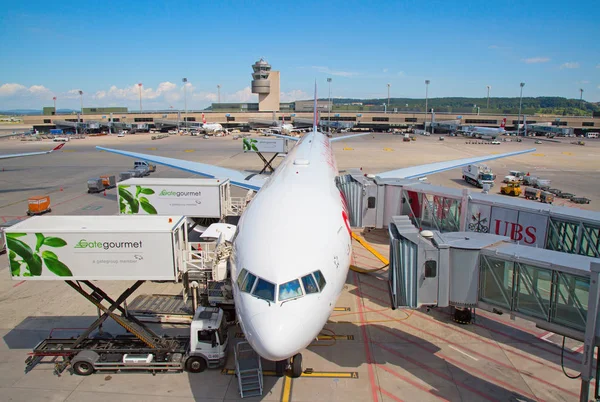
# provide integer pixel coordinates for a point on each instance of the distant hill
(31, 112)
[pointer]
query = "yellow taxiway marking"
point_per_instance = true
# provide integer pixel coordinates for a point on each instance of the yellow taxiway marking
(240, 335)
(388, 149)
(189, 150)
(348, 149)
(307, 373)
(538, 155)
(567, 153)
(366, 245)
(341, 309)
(286, 392)
(151, 149)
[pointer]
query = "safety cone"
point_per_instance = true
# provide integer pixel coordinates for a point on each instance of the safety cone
(61, 189)
(105, 193)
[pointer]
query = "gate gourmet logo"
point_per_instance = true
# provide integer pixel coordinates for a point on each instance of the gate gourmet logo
(170, 193)
(108, 245)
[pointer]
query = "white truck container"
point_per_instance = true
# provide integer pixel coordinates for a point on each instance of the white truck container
(478, 175)
(97, 248)
(198, 198)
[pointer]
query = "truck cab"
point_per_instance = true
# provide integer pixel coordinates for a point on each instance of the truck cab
(151, 167)
(208, 340)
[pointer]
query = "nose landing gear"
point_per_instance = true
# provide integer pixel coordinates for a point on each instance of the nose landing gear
(294, 364)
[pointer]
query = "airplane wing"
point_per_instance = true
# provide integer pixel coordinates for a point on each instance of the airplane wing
(345, 137)
(241, 179)
(32, 153)
(415, 172)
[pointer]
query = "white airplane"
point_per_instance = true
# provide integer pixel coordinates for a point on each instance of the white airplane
(211, 128)
(291, 251)
(59, 146)
(285, 129)
(487, 133)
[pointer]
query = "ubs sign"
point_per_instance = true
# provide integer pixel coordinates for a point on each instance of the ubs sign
(523, 227)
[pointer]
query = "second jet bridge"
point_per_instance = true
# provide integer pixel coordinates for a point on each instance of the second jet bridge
(469, 269)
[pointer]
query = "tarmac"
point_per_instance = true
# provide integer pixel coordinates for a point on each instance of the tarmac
(378, 354)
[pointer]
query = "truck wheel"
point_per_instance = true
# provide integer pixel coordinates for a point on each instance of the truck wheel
(83, 368)
(195, 364)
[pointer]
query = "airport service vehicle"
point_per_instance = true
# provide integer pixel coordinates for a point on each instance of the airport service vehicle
(125, 175)
(283, 294)
(512, 188)
(121, 135)
(38, 205)
(9, 156)
(198, 198)
(478, 175)
(495, 142)
(540, 183)
(546, 197)
(205, 347)
(60, 139)
(108, 181)
(529, 180)
(151, 166)
(406, 137)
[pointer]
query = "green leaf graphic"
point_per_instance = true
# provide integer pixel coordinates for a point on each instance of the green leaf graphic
(35, 265)
(129, 199)
(146, 206)
(138, 189)
(15, 235)
(54, 242)
(147, 191)
(135, 206)
(122, 206)
(49, 254)
(40, 241)
(124, 186)
(20, 248)
(57, 267)
(15, 266)
(254, 148)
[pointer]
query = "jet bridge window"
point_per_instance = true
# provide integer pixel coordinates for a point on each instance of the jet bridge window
(290, 290)
(310, 285)
(264, 290)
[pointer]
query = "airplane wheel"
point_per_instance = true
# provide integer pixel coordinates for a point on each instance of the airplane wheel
(297, 365)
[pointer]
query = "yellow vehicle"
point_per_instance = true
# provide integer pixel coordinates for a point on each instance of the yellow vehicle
(512, 188)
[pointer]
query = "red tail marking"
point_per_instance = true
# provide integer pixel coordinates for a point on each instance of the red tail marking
(503, 125)
(59, 146)
(203, 119)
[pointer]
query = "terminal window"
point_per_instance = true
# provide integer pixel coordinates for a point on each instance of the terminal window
(480, 121)
(47, 121)
(381, 119)
(410, 119)
(588, 124)
(189, 119)
(143, 119)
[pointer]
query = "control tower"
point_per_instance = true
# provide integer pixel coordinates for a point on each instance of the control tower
(265, 83)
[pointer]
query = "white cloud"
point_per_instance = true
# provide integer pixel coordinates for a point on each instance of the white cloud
(535, 60)
(327, 70)
(571, 64)
(11, 89)
(293, 95)
(385, 70)
(13, 96)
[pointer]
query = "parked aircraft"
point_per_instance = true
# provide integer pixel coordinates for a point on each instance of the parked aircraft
(283, 294)
(32, 153)
(211, 128)
(486, 133)
(284, 128)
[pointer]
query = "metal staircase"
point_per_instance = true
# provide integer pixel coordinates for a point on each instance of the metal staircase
(248, 370)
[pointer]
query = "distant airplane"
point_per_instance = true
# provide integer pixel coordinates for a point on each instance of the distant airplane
(211, 128)
(293, 245)
(486, 133)
(285, 129)
(32, 153)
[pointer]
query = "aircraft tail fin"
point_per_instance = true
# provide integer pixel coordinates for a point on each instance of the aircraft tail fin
(503, 125)
(203, 119)
(315, 111)
(59, 146)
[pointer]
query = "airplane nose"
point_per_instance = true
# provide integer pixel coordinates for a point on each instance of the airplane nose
(277, 338)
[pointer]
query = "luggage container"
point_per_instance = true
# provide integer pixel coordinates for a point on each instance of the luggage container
(109, 181)
(38, 205)
(125, 175)
(547, 197)
(95, 185)
(532, 193)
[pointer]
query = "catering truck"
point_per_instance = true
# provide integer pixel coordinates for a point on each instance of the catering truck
(478, 175)
(81, 250)
(199, 198)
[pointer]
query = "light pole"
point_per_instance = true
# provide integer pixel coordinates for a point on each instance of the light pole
(81, 113)
(488, 100)
(520, 103)
(54, 99)
(140, 87)
(388, 85)
(426, 98)
(185, 102)
(329, 105)
(218, 93)
(580, 98)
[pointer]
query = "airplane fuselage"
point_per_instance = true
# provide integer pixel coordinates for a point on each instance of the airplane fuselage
(297, 224)
(212, 128)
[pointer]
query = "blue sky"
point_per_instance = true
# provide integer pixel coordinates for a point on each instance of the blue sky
(106, 48)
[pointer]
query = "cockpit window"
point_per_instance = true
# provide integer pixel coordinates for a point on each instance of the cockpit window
(310, 286)
(320, 279)
(290, 290)
(248, 283)
(240, 278)
(264, 290)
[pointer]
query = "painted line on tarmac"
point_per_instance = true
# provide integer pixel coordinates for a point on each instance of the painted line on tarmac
(341, 309)
(240, 335)
(307, 373)
(18, 284)
(286, 392)
(460, 351)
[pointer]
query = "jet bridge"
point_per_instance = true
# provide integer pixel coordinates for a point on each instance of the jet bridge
(559, 292)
